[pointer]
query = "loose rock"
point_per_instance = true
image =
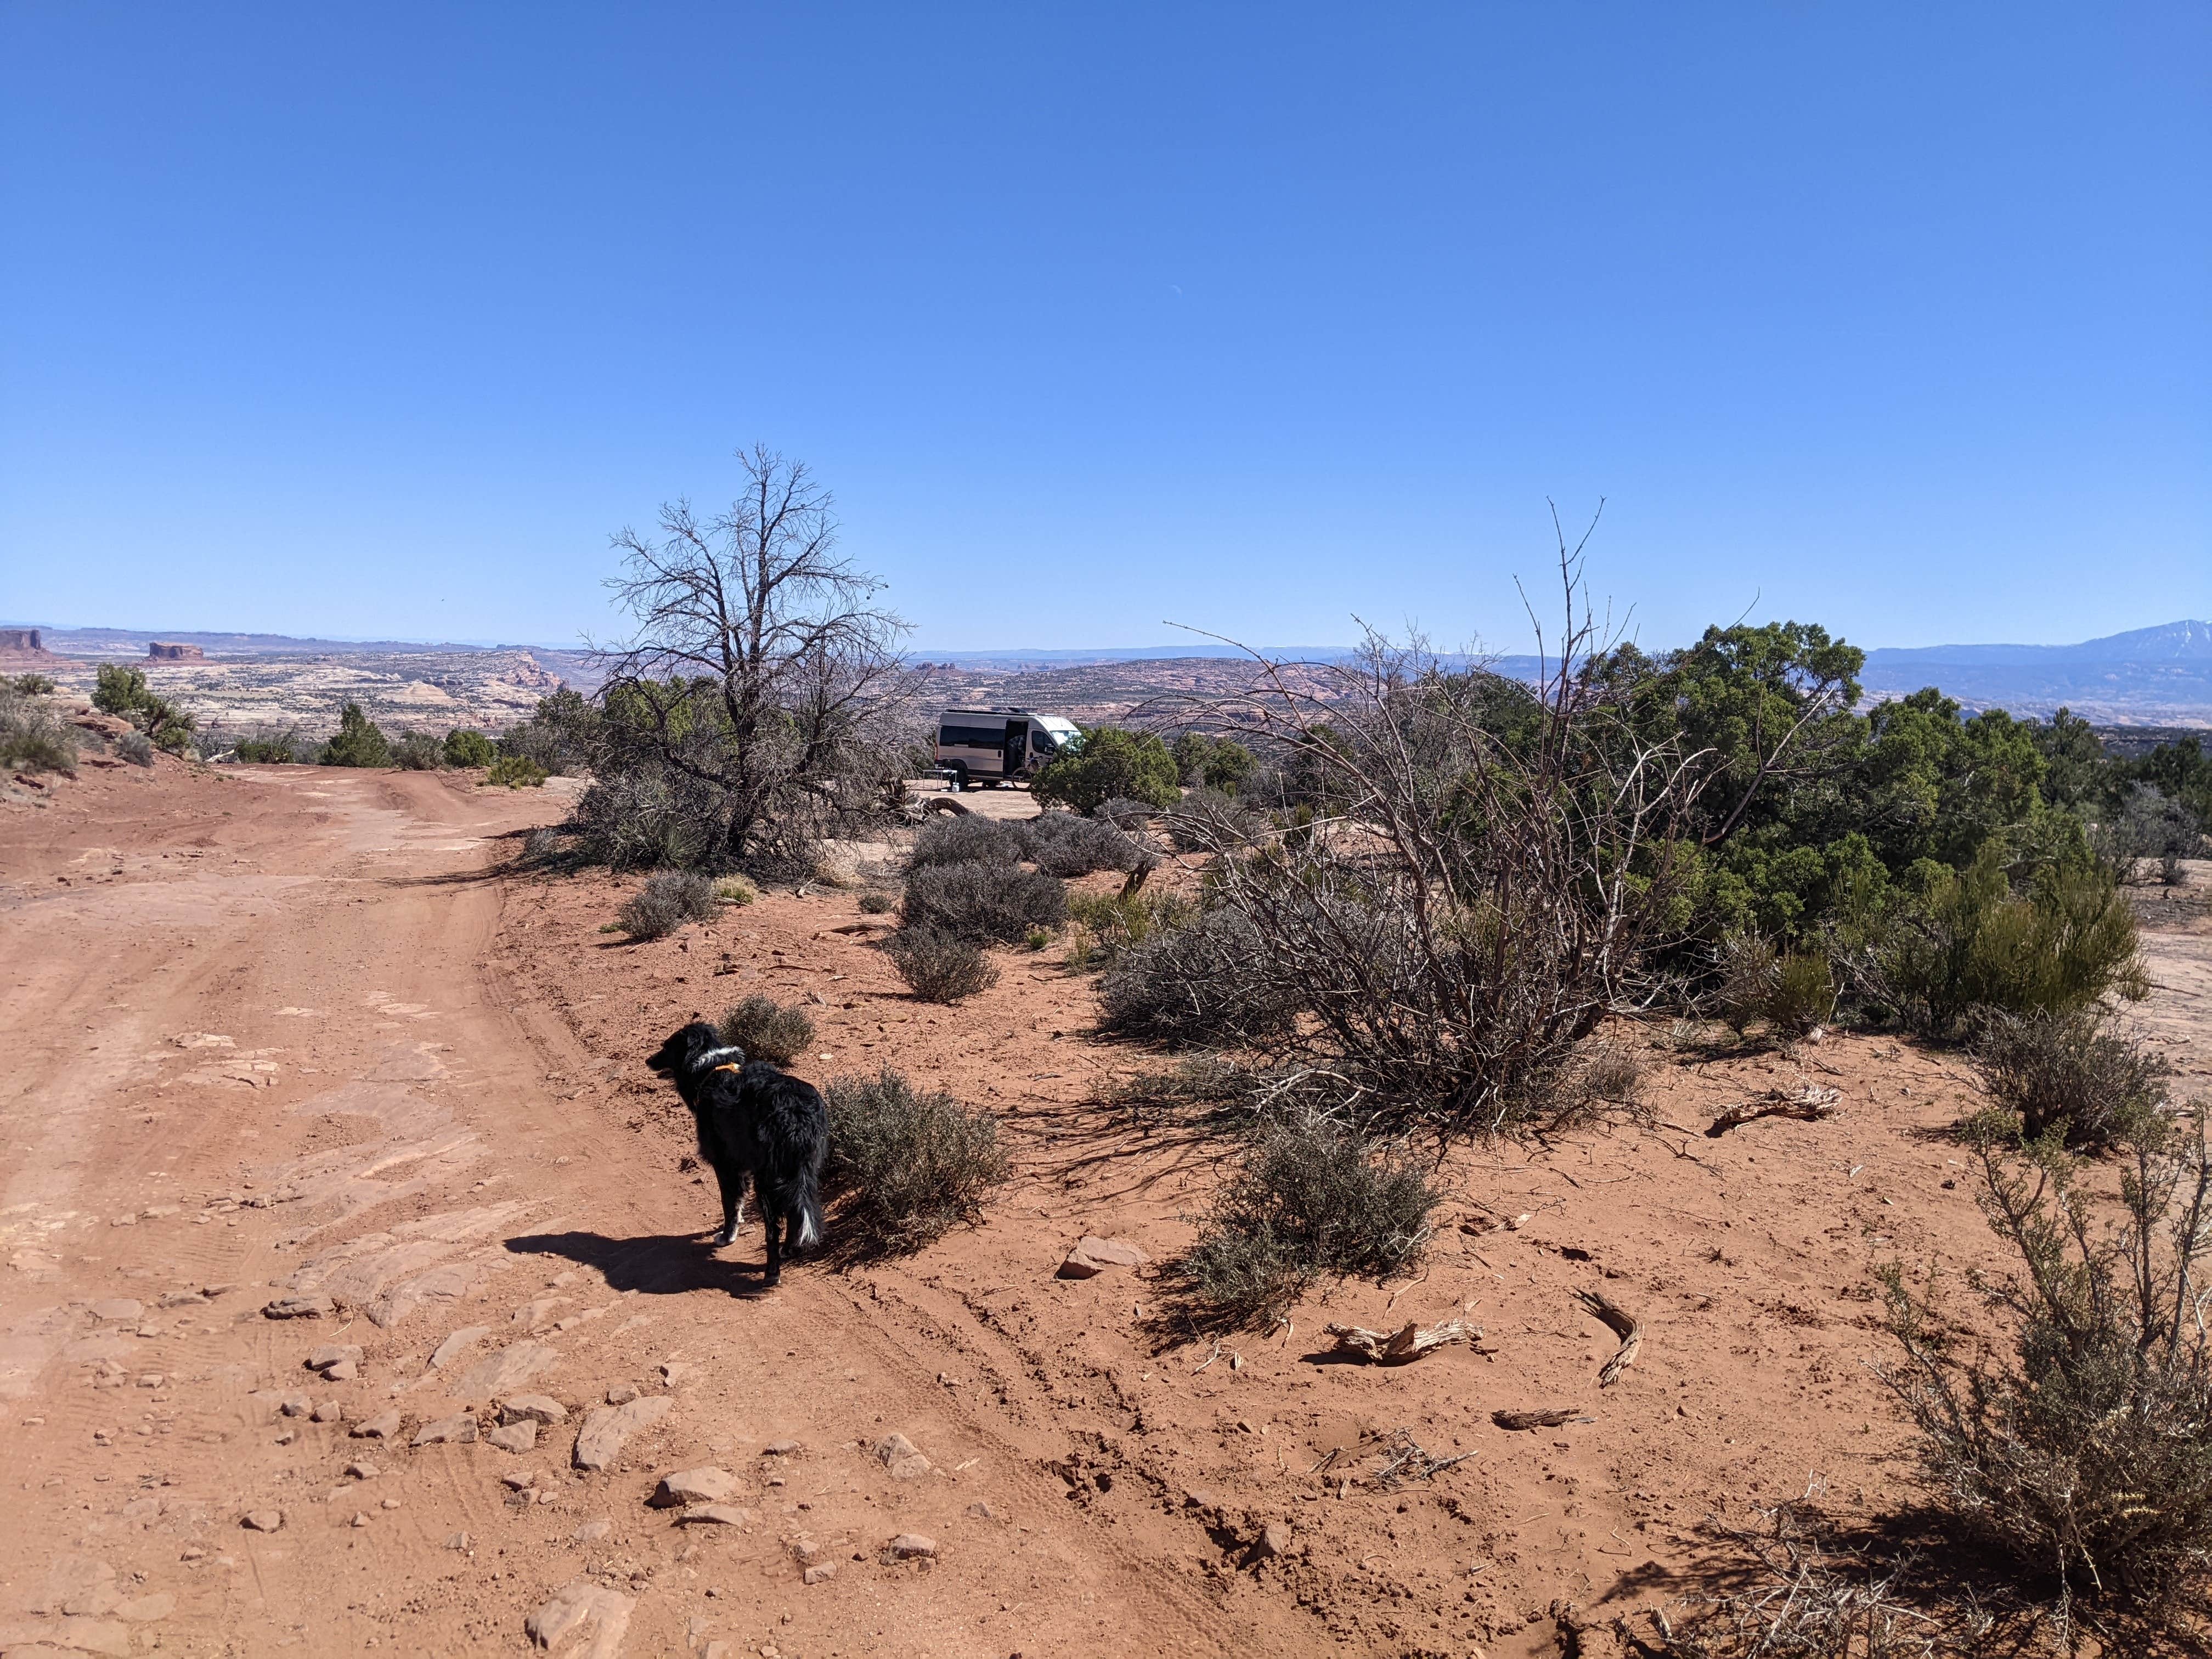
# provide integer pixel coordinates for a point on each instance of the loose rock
(902, 1457)
(700, 1486)
(1092, 1256)
(121, 1309)
(716, 1515)
(516, 1438)
(300, 1307)
(821, 1575)
(605, 1428)
(383, 1426)
(329, 1412)
(332, 1354)
(583, 1619)
(458, 1430)
(262, 1520)
(913, 1546)
(1274, 1539)
(534, 1407)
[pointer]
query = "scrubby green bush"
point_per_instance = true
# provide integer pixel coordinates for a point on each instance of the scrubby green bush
(136, 747)
(465, 748)
(939, 966)
(767, 1029)
(1221, 764)
(912, 1163)
(875, 903)
(735, 891)
(1973, 943)
(563, 734)
(31, 739)
(123, 691)
(965, 838)
(664, 904)
(983, 901)
(2084, 1456)
(2069, 1074)
(1309, 1197)
(34, 685)
(1793, 991)
(358, 742)
(1062, 844)
(119, 689)
(1119, 921)
(1109, 763)
(1202, 984)
(514, 772)
(265, 747)
(418, 751)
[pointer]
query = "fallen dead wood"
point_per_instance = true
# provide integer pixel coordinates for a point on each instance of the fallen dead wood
(1402, 1346)
(1550, 1418)
(1623, 1324)
(1810, 1104)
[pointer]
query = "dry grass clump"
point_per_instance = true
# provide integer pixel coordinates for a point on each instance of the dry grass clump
(876, 904)
(1792, 991)
(1309, 1197)
(735, 891)
(664, 904)
(980, 902)
(2083, 1456)
(913, 1163)
(767, 1029)
(939, 966)
(31, 739)
(1805, 1598)
(2068, 1073)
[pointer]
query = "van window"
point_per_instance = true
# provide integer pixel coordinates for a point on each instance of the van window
(973, 737)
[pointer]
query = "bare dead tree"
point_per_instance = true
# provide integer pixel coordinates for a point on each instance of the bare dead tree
(757, 704)
(1492, 866)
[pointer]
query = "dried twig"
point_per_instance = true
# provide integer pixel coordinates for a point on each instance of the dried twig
(1405, 1458)
(1550, 1418)
(1402, 1346)
(1810, 1105)
(1623, 1324)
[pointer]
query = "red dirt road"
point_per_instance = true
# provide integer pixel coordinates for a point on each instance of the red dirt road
(284, 1033)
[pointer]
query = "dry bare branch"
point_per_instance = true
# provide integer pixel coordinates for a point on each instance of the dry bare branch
(1809, 1104)
(1402, 1346)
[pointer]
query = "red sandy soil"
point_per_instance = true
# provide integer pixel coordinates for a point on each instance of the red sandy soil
(287, 1031)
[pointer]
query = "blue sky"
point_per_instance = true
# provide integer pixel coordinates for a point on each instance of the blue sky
(379, 319)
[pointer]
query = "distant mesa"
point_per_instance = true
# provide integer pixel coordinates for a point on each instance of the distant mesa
(157, 652)
(24, 648)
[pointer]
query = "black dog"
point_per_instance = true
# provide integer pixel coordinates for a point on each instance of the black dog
(753, 1119)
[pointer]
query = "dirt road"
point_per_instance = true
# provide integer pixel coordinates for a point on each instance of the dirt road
(259, 1050)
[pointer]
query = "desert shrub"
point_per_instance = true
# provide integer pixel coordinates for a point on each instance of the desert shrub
(2149, 830)
(418, 751)
(2069, 1074)
(1118, 922)
(136, 747)
(1124, 814)
(31, 738)
(1206, 820)
(1795, 1594)
(2084, 1454)
(541, 847)
(1613, 1074)
(563, 734)
(1309, 1197)
(465, 748)
(876, 903)
(1109, 763)
(1062, 844)
(1793, 991)
(1974, 943)
(913, 1163)
(982, 902)
(664, 904)
(767, 1029)
(265, 746)
(735, 891)
(34, 685)
(514, 772)
(1203, 984)
(964, 838)
(120, 690)
(1221, 764)
(358, 742)
(939, 966)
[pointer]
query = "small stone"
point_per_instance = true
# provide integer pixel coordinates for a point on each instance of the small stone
(345, 1372)
(263, 1519)
(700, 1486)
(121, 1309)
(360, 1469)
(671, 1374)
(781, 1449)
(822, 1574)
(621, 1395)
(1274, 1539)
(532, 1408)
(300, 1307)
(145, 1609)
(459, 1430)
(902, 1457)
(594, 1530)
(589, 1615)
(1092, 1256)
(329, 1412)
(1199, 1497)
(390, 1504)
(716, 1515)
(296, 1404)
(381, 1427)
(516, 1438)
(458, 1344)
(359, 1519)
(600, 1438)
(458, 1540)
(518, 1480)
(982, 1513)
(152, 1379)
(331, 1354)
(913, 1546)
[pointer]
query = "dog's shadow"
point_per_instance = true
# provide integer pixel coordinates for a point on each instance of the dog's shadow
(663, 1264)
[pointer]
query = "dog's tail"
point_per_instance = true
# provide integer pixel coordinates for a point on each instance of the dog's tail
(806, 1204)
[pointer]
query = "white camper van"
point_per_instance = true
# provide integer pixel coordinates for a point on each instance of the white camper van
(991, 746)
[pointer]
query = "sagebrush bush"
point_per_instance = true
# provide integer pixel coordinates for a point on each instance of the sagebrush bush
(955, 838)
(1117, 921)
(875, 903)
(1206, 820)
(768, 1030)
(1614, 1075)
(1202, 984)
(664, 904)
(2085, 1454)
(1064, 845)
(939, 966)
(1792, 991)
(136, 747)
(465, 748)
(514, 772)
(418, 751)
(265, 746)
(912, 1163)
(1124, 814)
(2068, 1073)
(34, 685)
(31, 739)
(1309, 1197)
(358, 743)
(1973, 943)
(983, 901)
(541, 846)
